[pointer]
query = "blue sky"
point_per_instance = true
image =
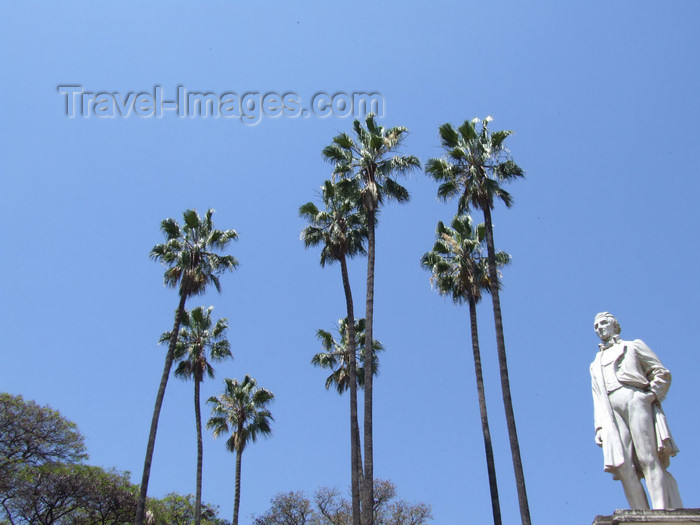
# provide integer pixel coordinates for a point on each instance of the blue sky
(602, 97)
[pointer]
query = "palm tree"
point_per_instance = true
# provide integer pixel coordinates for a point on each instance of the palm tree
(197, 337)
(341, 231)
(477, 164)
(460, 269)
(337, 355)
(241, 410)
(370, 157)
(188, 252)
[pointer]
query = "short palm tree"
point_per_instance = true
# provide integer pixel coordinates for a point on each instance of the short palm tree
(241, 410)
(460, 270)
(341, 231)
(199, 336)
(475, 166)
(189, 252)
(371, 158)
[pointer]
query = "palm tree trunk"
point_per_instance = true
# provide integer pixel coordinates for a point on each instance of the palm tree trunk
(368, 489)
(503, 365)
(141, 505)
(490, 466)
(355, 454)
(237, 494)
(198, 421)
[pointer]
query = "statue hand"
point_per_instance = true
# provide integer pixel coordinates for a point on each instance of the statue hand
(599, 437)
(650, 396)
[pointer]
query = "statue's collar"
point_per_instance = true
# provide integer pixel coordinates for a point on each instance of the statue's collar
(607, 344)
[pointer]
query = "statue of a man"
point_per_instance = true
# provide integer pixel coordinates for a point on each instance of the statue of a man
(629, 383)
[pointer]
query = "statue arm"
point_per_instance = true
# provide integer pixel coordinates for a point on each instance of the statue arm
(658, 376)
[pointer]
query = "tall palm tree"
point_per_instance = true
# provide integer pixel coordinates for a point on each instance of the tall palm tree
(199, 336)
(460, 270)
(371, 158)
(341, 231)
(189, 254)
(476, 165)
(242, 410)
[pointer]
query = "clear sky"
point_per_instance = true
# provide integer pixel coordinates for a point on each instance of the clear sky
(603, 100)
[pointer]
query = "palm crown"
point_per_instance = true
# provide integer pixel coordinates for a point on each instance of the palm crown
(337, 355)
(242, 410)
(199, 335)
(339, 228)
(477, 163)
(458, 262)
(370, 157)
(188, 252)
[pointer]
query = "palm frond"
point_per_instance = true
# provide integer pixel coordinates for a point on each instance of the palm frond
(242, 410)
(475, 164)
(336, 356)
(458, 263)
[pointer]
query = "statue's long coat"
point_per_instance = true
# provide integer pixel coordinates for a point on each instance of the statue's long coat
(636, 365)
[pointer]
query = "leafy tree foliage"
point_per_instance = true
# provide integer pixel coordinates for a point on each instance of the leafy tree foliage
(330, 508)
(108, 498)
(44, 481)
(65, 493)
(47, 493)
(31, 434)
(33, 439)
(178, 509)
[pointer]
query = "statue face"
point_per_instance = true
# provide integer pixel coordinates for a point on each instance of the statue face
(604, 327)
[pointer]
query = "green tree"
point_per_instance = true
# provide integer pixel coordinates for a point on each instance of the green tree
(341, 231)
(32, 436)
(460, 270)
(199, 336)
(178, 509)
(46, 493)
(189, 252)
(108, 498)
(371, 158)
(65, 493)
(42, 478)
(476, 165)
(241, 410)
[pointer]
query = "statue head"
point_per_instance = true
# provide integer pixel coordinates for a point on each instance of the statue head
(605, 325)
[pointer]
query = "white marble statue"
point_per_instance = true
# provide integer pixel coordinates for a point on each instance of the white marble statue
(629, 383)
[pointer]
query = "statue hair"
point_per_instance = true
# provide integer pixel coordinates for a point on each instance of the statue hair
(611, 318)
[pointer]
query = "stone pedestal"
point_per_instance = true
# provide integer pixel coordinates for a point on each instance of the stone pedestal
(659, 517)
